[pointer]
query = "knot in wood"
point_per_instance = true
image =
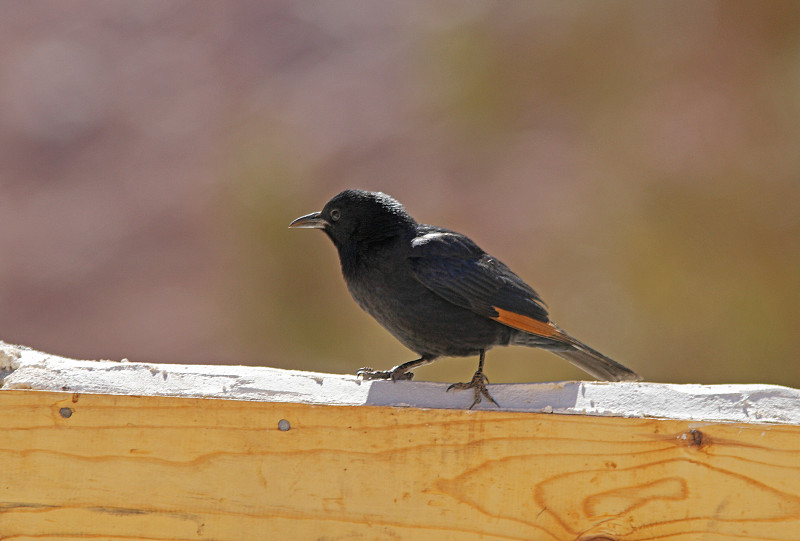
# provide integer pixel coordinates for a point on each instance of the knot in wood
(694, 438)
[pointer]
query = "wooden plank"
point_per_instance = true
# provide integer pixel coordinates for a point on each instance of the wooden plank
(24, 368)
(128, 467)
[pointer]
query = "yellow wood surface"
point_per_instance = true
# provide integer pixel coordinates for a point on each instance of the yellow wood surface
(125, 467)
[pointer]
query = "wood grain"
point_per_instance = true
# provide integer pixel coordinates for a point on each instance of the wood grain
(126, 467)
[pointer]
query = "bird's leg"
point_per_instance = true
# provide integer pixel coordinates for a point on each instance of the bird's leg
(399, 372)
(477, 384)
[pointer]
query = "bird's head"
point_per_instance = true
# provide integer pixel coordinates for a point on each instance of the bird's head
(358, 216)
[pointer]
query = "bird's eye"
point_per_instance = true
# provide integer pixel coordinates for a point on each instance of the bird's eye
(335, 214)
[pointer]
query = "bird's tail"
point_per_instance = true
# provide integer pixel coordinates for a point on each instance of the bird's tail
(587, 359)
(597, 364)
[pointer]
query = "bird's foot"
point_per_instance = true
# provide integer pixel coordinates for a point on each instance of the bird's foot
(395, 374)
(478, 385)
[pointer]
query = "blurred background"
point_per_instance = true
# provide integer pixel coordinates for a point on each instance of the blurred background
(637, 163)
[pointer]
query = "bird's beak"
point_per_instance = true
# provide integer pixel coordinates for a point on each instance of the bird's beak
(310, 221)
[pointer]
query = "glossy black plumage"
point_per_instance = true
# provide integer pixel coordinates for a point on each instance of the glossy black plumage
(437, 292)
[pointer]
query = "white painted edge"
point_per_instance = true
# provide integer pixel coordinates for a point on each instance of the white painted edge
(24, 368)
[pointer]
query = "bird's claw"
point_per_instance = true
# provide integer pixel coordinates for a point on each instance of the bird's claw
(393, 374)
(478, 385)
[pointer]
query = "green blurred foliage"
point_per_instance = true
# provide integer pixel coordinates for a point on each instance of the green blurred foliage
(662, 228)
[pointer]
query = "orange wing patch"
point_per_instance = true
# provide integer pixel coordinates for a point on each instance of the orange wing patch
(528, 324)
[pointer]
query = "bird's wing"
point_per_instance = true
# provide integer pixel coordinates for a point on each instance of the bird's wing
(455, 268)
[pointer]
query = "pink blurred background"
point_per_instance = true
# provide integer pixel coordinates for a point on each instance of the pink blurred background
(637, 163)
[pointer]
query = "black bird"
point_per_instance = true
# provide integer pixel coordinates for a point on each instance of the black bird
(438, 293)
